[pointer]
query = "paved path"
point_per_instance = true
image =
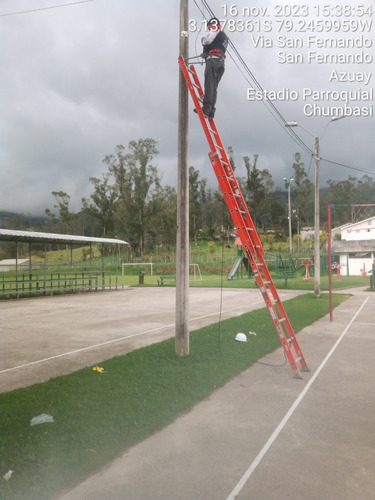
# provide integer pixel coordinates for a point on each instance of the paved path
(264, 435)
(49, 336)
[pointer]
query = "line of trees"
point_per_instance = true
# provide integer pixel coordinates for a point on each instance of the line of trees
(130, 202)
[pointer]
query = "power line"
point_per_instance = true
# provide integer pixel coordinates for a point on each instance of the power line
(254, 82)
(45, 8)
(347, 166)
(269, 104)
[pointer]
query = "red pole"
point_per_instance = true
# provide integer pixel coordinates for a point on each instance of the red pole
(330, 265)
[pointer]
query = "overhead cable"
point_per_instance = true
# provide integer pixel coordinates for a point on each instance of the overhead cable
(45, 8)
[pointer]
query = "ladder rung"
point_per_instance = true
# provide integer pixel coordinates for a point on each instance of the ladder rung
(282, 319)
(212, 130)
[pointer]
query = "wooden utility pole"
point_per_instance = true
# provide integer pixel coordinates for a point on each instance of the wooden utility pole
(182, 341)
(317, 223)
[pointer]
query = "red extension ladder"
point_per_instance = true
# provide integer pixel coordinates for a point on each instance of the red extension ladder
(245, 228)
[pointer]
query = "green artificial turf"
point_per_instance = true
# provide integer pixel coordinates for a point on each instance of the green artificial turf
(98, 415)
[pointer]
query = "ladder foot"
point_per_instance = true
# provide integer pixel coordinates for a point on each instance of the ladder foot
(296, 374)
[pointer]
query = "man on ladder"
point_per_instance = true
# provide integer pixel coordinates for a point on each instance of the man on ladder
(214, 45)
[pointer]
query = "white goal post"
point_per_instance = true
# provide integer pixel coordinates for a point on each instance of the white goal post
(196, 271)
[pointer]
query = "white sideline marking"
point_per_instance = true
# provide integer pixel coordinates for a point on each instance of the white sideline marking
(84, 349)
(25, 365)
(289, 413)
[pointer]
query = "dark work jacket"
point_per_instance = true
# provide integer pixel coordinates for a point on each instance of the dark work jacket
(220, 43)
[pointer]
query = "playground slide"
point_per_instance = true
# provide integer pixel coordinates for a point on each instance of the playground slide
(234, 268)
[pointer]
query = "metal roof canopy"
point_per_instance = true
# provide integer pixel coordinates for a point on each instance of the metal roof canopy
(15, 235)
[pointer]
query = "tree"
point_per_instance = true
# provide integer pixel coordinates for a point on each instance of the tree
(197, 193)
(231, 158)
(303, 193)
(342, 193)
(102, 204)
(164, 217)
(135, 182)
(66, 218)
(365, 190)
(257, 187)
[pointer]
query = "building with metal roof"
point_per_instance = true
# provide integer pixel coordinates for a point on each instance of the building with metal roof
(31, 236)
(48, 282)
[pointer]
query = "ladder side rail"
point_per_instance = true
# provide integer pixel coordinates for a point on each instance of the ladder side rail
(231, 202)
(238, 219)
(277, 322)
(229, 171)
(192, 86)
(282, 314)
(192, 90)
(274, 316)
(289, 329)
(251, 252)
(196, 81)
(235, 190)
(235, 196)
(235, 205)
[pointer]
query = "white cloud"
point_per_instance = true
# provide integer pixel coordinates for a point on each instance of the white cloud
(82, 79)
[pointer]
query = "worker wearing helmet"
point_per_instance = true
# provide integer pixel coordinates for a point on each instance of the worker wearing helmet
(214, 48)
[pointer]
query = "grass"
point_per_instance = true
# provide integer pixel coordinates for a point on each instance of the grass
(217, 281)
(98, 415)
(73, 282)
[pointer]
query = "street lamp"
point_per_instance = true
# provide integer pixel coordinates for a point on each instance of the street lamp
(288, 182)
(316, 213)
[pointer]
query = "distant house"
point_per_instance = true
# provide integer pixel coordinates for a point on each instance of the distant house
(307, 233)
(16, 264)
(356, 249)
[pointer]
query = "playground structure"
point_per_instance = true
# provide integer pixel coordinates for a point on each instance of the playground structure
(284, 268)
(241, 263)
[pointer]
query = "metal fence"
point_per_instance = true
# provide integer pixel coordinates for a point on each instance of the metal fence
(41, 284)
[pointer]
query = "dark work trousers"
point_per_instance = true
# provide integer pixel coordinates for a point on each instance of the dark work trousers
(212, 75)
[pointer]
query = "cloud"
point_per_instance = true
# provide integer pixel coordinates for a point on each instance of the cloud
(84, 78)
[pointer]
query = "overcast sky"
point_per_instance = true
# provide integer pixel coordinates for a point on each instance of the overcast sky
(79, 80)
